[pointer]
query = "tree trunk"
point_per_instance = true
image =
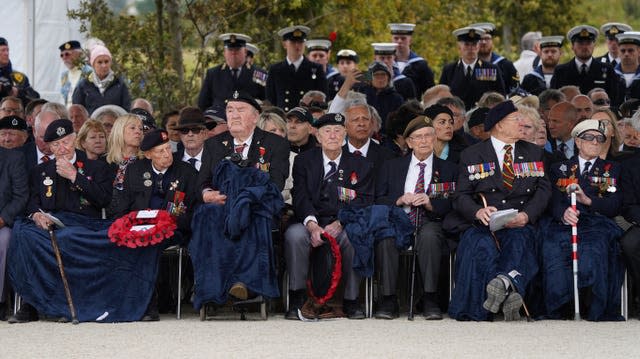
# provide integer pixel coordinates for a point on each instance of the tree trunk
(175, 29)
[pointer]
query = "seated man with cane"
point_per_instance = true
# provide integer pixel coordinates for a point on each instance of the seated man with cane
(420, 183)
(502, 172)
(598, 200)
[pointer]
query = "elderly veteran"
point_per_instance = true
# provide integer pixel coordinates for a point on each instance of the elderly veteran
(420, 183)
(325, 179)
(495, 264)
(76, 68)
(598, 200)
(193, 133)
(13, 132)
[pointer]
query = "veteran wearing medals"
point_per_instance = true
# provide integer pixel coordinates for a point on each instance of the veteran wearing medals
(494, 265)
(471, 77)
(236, 74)
(325, 180)
(598, 199)
(288, 80)
(421, 184)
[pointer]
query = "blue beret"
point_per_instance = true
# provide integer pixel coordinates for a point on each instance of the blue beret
(154, 138)
(329, 119)
(498, 112)
(58, 129)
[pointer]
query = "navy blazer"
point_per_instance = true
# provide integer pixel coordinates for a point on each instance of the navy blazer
(528, 194)
(599, 75)
(219, 84)
(630, 183)
(376, 154)
(470, 91)
(308, 174)
(603, 202)
(391, 181)
(136, 195)
(276, 155)
(14, 189)
(30, 155)
(285, 86)
(94, 186)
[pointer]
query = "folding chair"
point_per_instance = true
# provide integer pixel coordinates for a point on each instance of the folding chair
(180, 252)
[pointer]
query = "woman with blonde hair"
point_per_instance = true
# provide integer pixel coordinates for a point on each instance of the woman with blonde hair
(92, 139)
(273, 123)
(611, 149)
(124, 145)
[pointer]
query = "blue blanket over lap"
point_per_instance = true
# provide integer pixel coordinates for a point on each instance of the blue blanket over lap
(232, 243)
(103, 278)
(367, 226)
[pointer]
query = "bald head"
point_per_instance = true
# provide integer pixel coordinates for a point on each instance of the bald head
(584, 107)
(562, 119)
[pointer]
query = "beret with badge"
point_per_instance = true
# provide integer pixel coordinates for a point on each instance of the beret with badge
(416, 124)
(148, 122)
(234, 40)
(294, 33)
(13, 123)
(241, 96)
(58, 129)
(329, 119)
(498, 112)
(154, 138)
(70, 45)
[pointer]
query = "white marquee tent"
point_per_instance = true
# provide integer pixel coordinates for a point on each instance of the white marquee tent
(34, 30)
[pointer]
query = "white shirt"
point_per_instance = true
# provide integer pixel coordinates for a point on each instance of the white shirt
(579, 64)
(40, 154)
(156, 171)
(498, 146)
(582, 161)
(524, 65)
(296, 63)
(412, 175)
(547, 79)
(247, 142)
(74, 77)
(467, 66)
(327, 168)
(198, 158)
(363, 150)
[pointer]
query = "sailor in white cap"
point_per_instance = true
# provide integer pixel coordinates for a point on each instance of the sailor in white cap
(611, 30)
(409, 63)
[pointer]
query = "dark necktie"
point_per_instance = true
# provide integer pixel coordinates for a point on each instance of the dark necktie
(193, 161)
(583, 69)
(585, 172)
(239, 148)
(469, 72)
(507, 168)
(332, 170)
(416, 212)
(357, 153)
(159, 185)
(563, 149)
(614, 63)
(44, 158)
(292, 67)
(234, 73)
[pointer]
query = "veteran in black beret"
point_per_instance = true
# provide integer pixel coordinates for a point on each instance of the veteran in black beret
(263, 150)
(235, 74)
(290, 79)
(325, 179)
(76, 68)
(13, 132)
(583, 70)
(611, 30)
(421, 184)
(470, 77)
(495, 264)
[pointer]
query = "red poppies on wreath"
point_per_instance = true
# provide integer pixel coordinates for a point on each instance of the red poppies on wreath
(121, 233)
(336, 272)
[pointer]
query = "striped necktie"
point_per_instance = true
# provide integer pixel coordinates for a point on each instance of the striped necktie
(332, 171)
(415, 214)
(507, 168)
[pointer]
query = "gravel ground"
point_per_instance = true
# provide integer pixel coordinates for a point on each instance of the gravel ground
(229, 337)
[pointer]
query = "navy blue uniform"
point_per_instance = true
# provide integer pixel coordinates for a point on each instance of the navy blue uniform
(626, 93)
(285, 85)
(219, 84)
(334, 82)
(598, 75)
(509, 72)
(485, 77)
(534, 82)
(419, 72)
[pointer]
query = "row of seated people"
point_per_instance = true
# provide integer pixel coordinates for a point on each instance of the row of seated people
(328, 181)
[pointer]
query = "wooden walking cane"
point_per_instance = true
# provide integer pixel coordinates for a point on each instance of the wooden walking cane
(495, 238)
(67, 292)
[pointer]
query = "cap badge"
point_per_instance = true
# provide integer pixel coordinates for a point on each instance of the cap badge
(236, 94)
(584, 33)
(614, 30)
(232, 39)
(472, 33)
(67, 46)
(297, 33)
(338, 117)
(601, 127)
(14, 122)
(60, 131)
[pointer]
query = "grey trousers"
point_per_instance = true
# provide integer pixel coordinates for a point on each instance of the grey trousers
(297, 244)
(5, 237)
(429, 245)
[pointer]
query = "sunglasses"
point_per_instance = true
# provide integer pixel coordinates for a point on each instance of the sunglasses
(186, 131)
(601, 102)
(589, 137)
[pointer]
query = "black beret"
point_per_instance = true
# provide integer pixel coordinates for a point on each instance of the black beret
(301, 114)
(13, 122)
(154, 138)
(3, 42)
(70, 45)
(148, 122)
(246, 98)
(498, 112)
(435, 110)
(478, 116)
(416, 124)
(329, 119)
(58, 129)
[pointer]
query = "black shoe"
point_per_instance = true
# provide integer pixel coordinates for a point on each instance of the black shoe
(296, 301)
(3, 311)
(152, 314)
(27, 313)
(388, 308)
(430, 308)
(352, 309)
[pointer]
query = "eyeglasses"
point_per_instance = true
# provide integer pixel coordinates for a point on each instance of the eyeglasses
(421, 137)
(11, 110)
(185, 131)
(65, 54)
(601, 102)
(589, 137)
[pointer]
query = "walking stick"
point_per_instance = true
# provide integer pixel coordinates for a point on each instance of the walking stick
(413, 265)
(574, 257)
(67, 292)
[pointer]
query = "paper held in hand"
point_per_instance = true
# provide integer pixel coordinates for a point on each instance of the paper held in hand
(53, 219)
(500, 218)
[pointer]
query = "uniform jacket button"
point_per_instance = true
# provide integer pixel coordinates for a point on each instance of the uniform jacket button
(286, 100)
(286, 92)
(504, 201)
